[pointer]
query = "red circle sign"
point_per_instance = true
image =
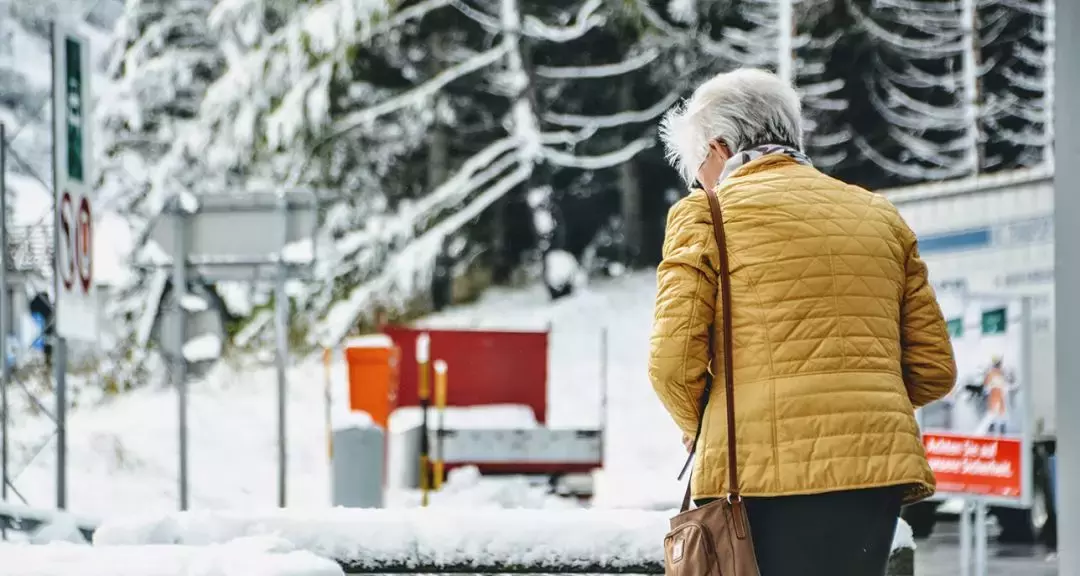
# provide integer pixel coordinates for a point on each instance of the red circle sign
(66, 259)
(84, 253)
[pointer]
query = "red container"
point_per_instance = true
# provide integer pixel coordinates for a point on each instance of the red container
(484, 367)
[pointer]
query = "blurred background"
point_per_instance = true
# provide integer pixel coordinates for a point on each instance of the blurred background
(476, 164)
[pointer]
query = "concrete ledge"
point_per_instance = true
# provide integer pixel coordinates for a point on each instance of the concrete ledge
(442, 540)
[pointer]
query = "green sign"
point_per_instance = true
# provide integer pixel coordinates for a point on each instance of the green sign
(956, 327)
(993, 321)
(73, 81)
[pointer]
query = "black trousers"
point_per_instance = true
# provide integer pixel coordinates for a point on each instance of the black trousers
(847, 533)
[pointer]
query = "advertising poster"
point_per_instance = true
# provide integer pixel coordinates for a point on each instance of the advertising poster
(975, 437)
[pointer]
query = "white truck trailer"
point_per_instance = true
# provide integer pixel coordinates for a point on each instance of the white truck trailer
(994, 234)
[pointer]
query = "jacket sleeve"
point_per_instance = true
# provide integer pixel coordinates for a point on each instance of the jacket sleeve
(927, 360)
(685, 307)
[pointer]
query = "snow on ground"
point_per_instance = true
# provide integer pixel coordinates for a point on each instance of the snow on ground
(123, 455)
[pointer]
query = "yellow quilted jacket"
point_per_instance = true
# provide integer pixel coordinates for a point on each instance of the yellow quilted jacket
(837, 335)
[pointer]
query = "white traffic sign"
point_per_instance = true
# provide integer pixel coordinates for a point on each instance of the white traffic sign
(76, 299)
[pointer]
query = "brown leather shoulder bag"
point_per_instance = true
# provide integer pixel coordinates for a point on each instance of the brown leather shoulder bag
(714, 539)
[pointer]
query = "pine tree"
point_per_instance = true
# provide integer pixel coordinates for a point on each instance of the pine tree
(824, 81)
(912, 123)
(1015, 111)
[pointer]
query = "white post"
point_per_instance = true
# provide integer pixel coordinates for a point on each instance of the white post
(1048, 86)
(1067, 281)
(4, 315)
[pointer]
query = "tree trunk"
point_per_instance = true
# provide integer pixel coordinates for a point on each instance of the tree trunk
(630, 189)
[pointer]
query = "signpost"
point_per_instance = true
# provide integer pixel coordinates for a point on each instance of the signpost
(978, 439)
(77, 304)
(73, 229)
(224, 237)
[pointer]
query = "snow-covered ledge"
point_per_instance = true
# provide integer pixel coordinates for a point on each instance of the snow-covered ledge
(257, 557)
(444, 540)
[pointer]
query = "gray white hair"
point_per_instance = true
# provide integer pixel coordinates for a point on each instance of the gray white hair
(744, 108)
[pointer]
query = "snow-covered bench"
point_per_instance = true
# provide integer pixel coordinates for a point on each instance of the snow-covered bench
(442, 540)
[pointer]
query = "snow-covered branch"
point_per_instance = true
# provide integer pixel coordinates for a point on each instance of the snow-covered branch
(602, 161)
(599, 71)
(910, 172)
(587, 18)
(420, 94)
(934, 47)
(411, 265)
(614, 120)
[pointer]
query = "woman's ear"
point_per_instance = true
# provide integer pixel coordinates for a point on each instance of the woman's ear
(717, 145)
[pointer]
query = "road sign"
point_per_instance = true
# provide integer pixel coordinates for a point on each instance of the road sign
(76, 299)
(976, 465)
(978, 438)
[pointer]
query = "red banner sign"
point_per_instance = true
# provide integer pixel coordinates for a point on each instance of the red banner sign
(977, 465)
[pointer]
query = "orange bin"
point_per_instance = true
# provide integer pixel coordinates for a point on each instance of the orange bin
(373, 377)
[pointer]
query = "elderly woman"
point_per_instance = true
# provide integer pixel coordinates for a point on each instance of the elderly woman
(837, 335)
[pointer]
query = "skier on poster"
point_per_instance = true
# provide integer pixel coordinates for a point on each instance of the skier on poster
(997, 384)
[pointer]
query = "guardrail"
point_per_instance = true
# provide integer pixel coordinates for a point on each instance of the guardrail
(442, 541)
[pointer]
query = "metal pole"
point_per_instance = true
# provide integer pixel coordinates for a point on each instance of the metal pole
(179, 364)
(281, 321)
(4, 313)
(59, 360)
(980, 538)
(1066, 42)
(966, 522)
(603, 390)
(328, 397)
(423, 355)
(439, 468)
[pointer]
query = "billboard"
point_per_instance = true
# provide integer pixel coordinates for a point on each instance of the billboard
(977, 438)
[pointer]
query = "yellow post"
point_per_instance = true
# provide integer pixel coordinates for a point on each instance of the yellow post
(328, 355)
(423, 355)
(440, 407)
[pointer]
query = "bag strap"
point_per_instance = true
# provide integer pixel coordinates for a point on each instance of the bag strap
(729, 378)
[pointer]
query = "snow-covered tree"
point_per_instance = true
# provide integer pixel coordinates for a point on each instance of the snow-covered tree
(162, 60)
(350, 95)
(823, 79)
(1013, 41)
(912, 122)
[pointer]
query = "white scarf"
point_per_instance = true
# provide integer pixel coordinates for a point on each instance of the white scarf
(740, 159)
